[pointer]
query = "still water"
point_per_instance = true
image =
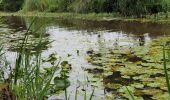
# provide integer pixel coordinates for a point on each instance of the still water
(73, 38)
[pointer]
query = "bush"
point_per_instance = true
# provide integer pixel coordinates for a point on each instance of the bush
(11, 5)
(136, 8)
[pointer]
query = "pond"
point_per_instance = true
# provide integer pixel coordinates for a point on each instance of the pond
(93, 48)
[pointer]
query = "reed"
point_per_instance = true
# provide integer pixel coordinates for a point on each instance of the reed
(27, 80)
(165, 69)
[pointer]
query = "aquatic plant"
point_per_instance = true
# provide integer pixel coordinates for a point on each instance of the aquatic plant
(165, 67)
(130, 94)
(140, 68)
(91, 96)
(28, 79)
(85, 94)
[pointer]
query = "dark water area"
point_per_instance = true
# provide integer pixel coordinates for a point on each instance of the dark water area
(70, 36)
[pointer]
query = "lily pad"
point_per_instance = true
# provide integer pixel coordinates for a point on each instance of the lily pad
(61, 83)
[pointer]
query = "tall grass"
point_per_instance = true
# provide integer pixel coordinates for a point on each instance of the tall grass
(91, 96)
(85, 94)
(165, 68)
(27, 80)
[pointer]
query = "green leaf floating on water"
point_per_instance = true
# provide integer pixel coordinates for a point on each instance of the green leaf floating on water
(65, 66)
(61, 83)
(123, 89)
(130, 95)
(161, 96)
(140, 67)
(137, 85)
(48, 70)
(64, 63)
(154, 84)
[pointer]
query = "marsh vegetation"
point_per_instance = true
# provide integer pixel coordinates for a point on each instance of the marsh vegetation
(76, 50)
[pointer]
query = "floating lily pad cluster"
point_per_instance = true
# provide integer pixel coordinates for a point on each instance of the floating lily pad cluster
(139, 68)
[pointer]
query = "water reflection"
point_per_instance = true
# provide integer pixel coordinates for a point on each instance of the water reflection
(17, 28)
(135, 28)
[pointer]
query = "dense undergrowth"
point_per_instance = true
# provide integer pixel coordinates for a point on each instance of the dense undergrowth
(160, 17)
(124, 7)
(135, 8)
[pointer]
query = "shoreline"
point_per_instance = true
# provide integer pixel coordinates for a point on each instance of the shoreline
(89, 16)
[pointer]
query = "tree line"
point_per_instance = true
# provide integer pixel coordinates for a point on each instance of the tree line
(137, 8)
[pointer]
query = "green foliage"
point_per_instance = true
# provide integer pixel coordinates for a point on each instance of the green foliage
(130, 94)
(165, 69)
(135, 8)
(30, 5)
(11, 5)
(28, 79)
(45, 5)
(131, 7)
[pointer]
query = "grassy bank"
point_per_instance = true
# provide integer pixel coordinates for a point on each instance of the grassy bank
(90, 16)
(159, 18)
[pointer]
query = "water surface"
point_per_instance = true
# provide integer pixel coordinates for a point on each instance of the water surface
(70, 36)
